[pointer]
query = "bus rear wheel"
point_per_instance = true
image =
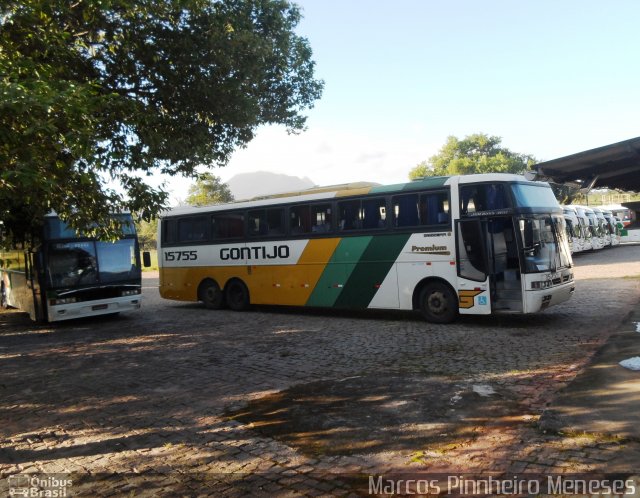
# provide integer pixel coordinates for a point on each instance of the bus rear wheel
(237, 295)
(210, 295)
(438, 303)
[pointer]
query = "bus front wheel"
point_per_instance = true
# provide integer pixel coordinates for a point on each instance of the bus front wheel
(438, 303)
(210, 295)
(237, 295)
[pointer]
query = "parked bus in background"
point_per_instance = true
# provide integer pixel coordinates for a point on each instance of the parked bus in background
(612, 226)
(475, 244)
(60, 275)
(575, 234)
(587, 232)
(598, 240)
(603, 227)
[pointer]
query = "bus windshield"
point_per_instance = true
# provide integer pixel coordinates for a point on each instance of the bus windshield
(57, 229)
(545, 244)
(85, 263)
(536, 196)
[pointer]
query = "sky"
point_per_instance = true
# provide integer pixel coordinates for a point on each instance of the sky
(551, 78)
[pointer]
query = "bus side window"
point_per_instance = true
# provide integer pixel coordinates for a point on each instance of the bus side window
(265, 222)
(434, 208)
(374, 213)
(300, 219)
(321, 218)
(275, 221)
(194, 229)
(348, 212)
(258, 222)
(228, 225)
(405, 210)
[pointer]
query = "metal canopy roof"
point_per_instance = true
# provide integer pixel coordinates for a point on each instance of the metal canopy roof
(615, 166)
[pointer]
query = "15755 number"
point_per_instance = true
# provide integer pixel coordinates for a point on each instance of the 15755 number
(180, 255)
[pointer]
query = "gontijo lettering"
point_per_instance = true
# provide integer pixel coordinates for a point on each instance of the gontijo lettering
(255, 252)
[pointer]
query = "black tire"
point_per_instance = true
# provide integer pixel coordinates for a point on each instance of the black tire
(237, 295)
(210, 294)
(438, 303)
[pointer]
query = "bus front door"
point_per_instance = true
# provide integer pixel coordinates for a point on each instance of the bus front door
(504, 265)
(473, 267)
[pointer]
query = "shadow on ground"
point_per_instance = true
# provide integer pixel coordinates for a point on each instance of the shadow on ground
(377, 413)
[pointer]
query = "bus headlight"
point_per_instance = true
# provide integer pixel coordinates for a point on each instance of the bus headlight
(133, 292)
(541, 284)
(62, 300)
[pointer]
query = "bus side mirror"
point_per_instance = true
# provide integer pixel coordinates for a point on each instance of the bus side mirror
(146, 259)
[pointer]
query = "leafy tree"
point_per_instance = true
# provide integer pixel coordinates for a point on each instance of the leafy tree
(207, 190)
(147, 234)
(565, 194)
(478, 153)
(98, 95)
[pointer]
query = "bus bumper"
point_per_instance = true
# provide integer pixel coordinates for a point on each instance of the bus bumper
(59, 312)
(539, 300)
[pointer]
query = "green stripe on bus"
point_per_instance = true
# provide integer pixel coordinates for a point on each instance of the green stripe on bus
(376, 261)
(335, 275)
(424, 183)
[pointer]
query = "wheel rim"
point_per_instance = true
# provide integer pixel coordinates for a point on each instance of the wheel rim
(210, 294)
(437, 303)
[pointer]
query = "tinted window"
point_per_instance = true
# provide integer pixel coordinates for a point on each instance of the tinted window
(300, 219)
(540, 196)
(412, 210)
(321, 218)
(193, 229)
(227, 225)
(483, 197)
(264, 222)
(362, 214)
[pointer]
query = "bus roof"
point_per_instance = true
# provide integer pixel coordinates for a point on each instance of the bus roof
(349, 189)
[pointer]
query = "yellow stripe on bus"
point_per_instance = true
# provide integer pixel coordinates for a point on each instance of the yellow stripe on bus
(268, 284)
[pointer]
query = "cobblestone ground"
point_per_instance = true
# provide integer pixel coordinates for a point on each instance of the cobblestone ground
(164, 397)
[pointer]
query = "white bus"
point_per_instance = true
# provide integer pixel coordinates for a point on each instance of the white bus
(575, 233)
(603, 227)
(475, 244)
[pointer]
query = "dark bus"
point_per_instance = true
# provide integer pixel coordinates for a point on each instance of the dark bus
(61, 275)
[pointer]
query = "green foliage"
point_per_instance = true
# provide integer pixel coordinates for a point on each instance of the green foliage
(98, 95)
(564, 193)
(208, 190)
(147, 234)
(478, 153)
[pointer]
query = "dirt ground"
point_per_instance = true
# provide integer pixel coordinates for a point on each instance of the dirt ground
(180, 400)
